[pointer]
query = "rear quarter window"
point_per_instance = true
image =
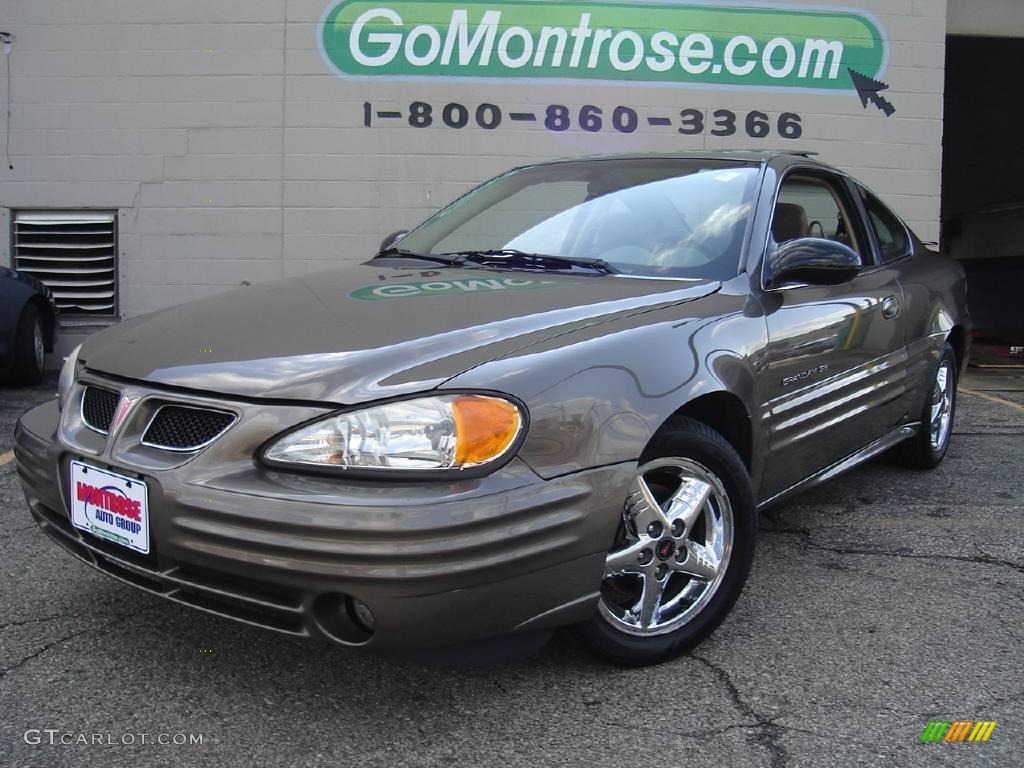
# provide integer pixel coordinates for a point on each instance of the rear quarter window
(890, 232)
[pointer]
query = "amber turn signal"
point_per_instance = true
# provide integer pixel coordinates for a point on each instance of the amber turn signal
(485, 427)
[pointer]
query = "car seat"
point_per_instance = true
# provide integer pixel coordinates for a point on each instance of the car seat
(790, 222)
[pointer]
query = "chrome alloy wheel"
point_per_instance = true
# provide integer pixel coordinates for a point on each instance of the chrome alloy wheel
(942, 405)
(38, 345)
(673, 551)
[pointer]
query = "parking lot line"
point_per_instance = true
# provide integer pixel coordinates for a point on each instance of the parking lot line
(6, 457)
(992, 398)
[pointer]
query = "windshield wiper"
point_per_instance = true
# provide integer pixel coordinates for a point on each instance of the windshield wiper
(407, 254)
(514, 257)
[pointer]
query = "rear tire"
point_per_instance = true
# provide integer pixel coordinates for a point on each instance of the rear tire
(928, 447)
(674, 572)
(29, 347)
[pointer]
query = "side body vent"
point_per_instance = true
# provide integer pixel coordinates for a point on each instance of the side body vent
(74, 253)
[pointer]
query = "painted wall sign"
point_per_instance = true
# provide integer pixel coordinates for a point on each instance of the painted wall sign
(712, 45)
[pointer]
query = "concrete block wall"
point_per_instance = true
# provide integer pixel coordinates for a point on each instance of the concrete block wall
(233, 154)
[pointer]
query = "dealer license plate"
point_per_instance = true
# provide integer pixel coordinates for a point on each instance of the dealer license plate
(109, 505)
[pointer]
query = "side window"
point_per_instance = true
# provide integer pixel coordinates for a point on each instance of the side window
(809, 206)
(893, 242)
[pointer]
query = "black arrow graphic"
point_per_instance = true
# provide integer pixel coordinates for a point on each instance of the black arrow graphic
(870, 90)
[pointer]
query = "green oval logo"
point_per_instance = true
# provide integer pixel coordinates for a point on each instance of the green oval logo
(663, 43)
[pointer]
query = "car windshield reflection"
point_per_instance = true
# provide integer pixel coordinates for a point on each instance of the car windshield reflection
(672, 218)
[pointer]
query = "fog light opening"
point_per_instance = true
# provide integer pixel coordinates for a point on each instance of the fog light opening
(344, 618)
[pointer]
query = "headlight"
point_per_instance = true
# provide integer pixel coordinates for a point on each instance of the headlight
(68, 374)
(446, 432)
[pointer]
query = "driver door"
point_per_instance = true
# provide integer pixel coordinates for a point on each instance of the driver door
(836, 369)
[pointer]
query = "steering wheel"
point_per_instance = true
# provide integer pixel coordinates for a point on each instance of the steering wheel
(821, 229)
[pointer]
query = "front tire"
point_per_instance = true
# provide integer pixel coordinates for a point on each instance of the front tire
(928, 447)
(683, 550)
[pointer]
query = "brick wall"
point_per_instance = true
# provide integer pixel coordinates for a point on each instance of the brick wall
(232, 152)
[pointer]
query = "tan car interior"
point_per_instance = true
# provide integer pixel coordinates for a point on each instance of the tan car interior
(791, 220)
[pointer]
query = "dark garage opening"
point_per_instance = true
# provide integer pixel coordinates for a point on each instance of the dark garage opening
(982, 193)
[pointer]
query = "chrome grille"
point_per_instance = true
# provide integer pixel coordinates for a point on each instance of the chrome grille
(182, 428)
(98, 406)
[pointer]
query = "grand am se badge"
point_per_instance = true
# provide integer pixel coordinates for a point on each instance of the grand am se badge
(804, 375)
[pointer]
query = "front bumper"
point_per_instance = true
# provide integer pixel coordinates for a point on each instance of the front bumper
(437, 563)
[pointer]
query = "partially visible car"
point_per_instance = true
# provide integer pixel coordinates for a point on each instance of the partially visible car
(28, 321)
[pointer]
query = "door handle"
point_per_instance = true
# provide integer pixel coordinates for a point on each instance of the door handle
(890, 307)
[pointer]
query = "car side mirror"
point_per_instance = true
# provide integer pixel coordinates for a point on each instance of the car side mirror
(392, 239)
(812, 260)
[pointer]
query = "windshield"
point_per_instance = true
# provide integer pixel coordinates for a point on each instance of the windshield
(655, 217)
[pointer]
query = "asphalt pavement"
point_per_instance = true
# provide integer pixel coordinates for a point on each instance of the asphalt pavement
(877, 603)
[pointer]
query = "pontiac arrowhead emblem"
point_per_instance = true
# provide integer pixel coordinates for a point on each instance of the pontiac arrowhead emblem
(124, 407)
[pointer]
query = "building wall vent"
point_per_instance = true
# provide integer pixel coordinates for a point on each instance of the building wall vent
(74, 253)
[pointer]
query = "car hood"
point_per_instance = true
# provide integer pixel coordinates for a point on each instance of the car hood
(365, 331)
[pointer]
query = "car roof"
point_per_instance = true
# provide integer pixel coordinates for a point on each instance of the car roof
(778, 158)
